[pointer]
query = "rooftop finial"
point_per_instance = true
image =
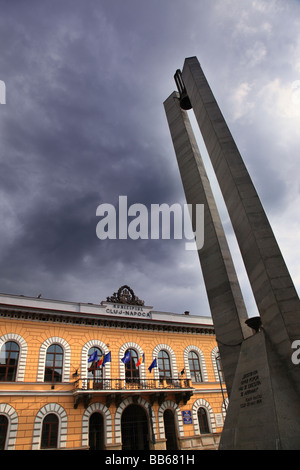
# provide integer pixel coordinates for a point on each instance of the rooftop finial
(125, 295)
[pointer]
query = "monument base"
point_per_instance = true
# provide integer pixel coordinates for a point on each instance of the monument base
(264, 407)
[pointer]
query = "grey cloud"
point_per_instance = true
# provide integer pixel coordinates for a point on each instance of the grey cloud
(84, 123)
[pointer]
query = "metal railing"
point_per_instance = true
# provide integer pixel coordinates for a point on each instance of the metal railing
(131, 384)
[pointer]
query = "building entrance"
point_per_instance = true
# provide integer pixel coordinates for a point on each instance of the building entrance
(170, 430)
(96, 432)
(135, 429)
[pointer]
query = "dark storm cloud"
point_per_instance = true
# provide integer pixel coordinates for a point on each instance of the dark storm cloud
(84, 123)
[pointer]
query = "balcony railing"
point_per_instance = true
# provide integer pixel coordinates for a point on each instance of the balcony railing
(115, 390)
(131, 384)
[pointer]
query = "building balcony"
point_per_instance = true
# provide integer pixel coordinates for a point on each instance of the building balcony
(115, 390)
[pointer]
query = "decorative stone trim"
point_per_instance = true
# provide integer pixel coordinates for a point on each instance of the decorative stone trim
(59, 411)
(118, 415)
(173, 362)
(23, 353)
(140, 351)
(42, 358)
(200, 403)
(58, 317)
(84, 357)
(11, 415)
(201, 359)
(169, 404)
(108, 433)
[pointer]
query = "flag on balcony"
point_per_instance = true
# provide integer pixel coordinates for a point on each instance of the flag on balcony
(93, 357)
(154, 364)
(126, 358)
(141, 360)
(107, 358)
(100, 362)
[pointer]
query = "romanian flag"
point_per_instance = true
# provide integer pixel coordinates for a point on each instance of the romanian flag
(100, 362)
(141, 360)
(104, 359)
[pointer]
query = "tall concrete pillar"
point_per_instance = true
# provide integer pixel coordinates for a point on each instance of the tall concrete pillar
(264, 406)
(273, 288)
(223, 290)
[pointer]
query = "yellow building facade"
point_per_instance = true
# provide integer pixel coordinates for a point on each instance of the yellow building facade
(56, 393)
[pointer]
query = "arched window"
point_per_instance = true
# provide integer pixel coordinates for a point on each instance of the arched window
(203, 421)
(54, 363)
(50, 432)
(3, 431)
(131, 370)
(194, 365)
(9, 358)
(50, 427)
(164, 366)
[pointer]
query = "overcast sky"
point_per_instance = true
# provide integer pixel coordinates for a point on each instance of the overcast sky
(84, 123)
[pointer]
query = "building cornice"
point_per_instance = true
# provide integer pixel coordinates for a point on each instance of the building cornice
(61, 312)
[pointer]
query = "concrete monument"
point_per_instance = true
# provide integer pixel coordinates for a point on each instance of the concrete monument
(223, 290)
(262, 380)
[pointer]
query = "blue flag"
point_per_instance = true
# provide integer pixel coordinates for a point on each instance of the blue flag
(126, 358)
(107, 358)
(93, 357)
(154, 364)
